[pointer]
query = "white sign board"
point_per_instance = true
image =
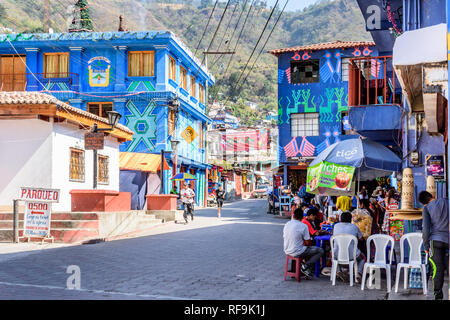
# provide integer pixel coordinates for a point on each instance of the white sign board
(37, 219)
(39, 194)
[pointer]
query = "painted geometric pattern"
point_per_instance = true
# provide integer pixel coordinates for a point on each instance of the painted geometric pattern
(56, 86)
(140, 86)
(143, 124)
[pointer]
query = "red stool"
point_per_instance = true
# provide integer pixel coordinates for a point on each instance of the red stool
(296, 265)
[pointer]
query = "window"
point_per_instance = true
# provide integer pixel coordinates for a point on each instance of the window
(183, 78)
(172, 69)
(141, 63)
(304, 124)
(200, 93)
(192, 86)
(305, 71)
(171, 121)
(100, 108)
(76, 165)
(103, 172)
(56, 65)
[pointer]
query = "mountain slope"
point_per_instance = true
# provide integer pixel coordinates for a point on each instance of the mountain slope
(327, 20)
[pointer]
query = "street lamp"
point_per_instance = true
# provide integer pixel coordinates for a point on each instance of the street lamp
(113, 120)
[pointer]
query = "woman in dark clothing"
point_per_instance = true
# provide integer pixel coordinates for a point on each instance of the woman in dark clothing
(220, 196)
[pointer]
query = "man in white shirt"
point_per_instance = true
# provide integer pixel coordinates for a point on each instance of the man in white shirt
(347, 227)
(187, 198)
(295, 233)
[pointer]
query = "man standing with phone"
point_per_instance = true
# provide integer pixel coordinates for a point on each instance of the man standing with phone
(187, 197)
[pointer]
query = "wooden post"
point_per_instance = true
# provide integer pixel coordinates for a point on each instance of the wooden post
(16, 221)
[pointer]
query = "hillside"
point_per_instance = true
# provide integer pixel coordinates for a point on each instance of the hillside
(327, 20)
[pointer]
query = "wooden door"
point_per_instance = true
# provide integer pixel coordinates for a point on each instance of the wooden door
(13, 73)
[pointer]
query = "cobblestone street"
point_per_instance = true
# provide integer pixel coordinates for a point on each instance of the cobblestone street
(238, 257)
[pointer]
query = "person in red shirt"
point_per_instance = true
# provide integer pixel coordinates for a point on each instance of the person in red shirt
(310, 221)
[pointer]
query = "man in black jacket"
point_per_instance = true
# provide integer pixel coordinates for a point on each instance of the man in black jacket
(435, 229)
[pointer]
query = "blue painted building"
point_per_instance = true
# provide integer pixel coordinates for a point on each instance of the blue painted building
(413, 34)
(313, 101)
(137, 74)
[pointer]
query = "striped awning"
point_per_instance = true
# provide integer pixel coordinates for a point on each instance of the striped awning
(145, 162)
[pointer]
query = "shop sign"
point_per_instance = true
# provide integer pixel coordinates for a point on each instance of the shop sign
(435, 166)
(38, 207)
(94, 141)
(37, 219)
(39, 194)
(329, 175)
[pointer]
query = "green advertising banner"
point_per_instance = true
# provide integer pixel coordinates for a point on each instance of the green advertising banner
(329, 175)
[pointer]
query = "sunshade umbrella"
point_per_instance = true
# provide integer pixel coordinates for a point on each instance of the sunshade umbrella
(373, 159)
(183, 176)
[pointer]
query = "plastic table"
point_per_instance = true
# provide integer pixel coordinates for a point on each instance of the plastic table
(320, 242)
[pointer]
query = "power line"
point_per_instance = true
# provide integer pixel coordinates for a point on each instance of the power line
(240, 34)
(257, 43)
(214, 36)
(264, 46)
(206, 28)
(225, 33)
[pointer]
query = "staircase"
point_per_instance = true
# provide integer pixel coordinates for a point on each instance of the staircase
(76, 227)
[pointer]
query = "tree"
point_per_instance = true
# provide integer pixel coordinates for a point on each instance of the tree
(205, 4)
(81, 18)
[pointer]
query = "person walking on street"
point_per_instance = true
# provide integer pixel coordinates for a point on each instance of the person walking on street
(435, 237)
(187, 197)
(220, 197)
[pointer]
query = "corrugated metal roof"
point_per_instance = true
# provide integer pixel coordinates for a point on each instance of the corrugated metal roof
(324, 46)
(145, 162)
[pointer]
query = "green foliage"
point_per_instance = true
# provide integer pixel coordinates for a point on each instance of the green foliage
(327, 20)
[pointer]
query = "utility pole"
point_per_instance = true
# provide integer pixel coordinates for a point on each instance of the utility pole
(46, 15)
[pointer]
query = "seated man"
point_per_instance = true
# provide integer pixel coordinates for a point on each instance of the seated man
(347, 227)
(310, 219)
(295, 233)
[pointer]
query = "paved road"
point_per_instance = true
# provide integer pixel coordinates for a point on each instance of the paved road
(238, 257)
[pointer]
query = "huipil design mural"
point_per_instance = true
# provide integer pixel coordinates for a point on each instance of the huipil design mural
(313, 84)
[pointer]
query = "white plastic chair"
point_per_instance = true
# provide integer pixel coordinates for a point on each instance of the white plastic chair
(343, 242)
(415, 242)
(381, 241)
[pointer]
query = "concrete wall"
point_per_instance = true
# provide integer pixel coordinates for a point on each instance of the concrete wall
(68, 136)
(25, 157)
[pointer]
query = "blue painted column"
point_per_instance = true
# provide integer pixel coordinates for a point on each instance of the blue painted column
(285, 175)
(161, 67)
(121, 68)
(75, 56)
(162, 130)
(32, 61)
(197, 186)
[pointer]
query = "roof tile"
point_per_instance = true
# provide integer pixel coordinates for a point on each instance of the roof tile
(324, 46)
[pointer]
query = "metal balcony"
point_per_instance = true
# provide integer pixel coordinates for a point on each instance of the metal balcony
(372, 81)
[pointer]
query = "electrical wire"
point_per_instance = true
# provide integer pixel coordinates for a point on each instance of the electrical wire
(214, 37)
(225, 33)
(265, 44)
(206, 28)
(257, 43)
(240, 35)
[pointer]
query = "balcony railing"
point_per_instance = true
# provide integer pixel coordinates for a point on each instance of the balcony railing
(372, 81)
(40, 82)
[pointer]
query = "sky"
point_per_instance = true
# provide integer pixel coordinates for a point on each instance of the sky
(293, 4)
